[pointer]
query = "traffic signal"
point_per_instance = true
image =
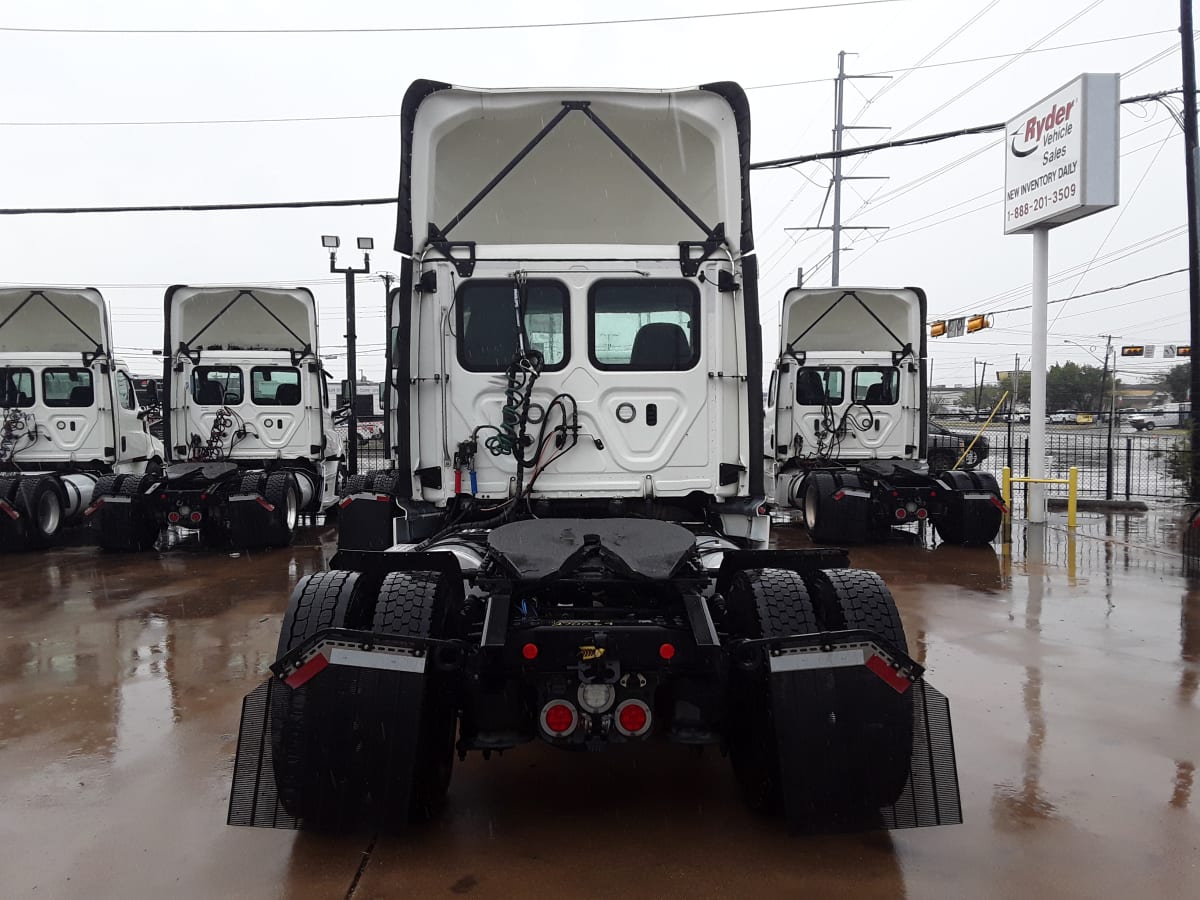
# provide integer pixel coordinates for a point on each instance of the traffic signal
(938, 328)
(1183, 350)
(1133, 350)
(976, 323)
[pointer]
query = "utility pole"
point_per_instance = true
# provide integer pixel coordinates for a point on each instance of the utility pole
(1112, 415)
(1103, 377)
(1187, 46)
(835, 184)
(366, 245)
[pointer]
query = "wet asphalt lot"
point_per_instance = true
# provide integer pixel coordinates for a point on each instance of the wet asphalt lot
(1072, 666)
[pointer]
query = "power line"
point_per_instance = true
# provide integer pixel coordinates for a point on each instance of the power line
(1118, 287)
(268, 120)
(378, 201)
(196, 207)
(426, 29)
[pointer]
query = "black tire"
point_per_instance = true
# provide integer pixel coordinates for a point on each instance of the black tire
(829, 521)
(412, 759)
(42, 505)
(315, 738)
(12, 532)
(762, 603)
(1149, 426)
(973, 523)
(282, 493)
(144, 526)
(941, 461)
(876, 722)
(252, 483)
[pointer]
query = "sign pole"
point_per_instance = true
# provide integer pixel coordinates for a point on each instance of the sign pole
(1037, 371)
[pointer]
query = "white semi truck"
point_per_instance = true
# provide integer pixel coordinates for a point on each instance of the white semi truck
(846, 425)
(570, 546)
(246, 421)
(69, 415)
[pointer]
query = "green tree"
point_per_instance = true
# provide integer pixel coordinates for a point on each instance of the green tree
(1072, 386)
(1179, 381)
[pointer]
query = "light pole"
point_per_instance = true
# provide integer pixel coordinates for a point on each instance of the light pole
(331, 243)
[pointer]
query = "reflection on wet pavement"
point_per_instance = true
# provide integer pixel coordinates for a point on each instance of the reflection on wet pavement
(1072, 664)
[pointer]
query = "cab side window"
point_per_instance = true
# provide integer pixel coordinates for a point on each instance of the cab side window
(125, 393)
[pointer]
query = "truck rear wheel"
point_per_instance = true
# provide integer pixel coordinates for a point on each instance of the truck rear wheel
(845, 520)
(283, 494)
(143, 527)
(971, 517)
(40, 501)
(876, 724)
(410, 744)
(315, 740)
(763, 603)
(941, 461)
(12, 536)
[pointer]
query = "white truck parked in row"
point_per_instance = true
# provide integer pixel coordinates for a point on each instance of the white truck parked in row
(846, 426)
(69, 415)
(246, 420)
(570, 545)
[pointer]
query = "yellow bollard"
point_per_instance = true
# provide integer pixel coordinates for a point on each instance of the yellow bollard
(1006, 487)
(1072, 495)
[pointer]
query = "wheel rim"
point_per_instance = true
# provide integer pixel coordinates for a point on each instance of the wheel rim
(292, 510)
(49, 513)
(810, 506)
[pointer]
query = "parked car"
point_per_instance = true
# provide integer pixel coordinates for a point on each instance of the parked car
(946, 446)
(1063, 417)
(1169, 415)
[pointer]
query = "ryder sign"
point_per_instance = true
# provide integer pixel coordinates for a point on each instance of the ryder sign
(1060, 156)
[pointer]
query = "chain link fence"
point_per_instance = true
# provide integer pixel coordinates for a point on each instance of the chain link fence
(372, 453)
(1121, 464)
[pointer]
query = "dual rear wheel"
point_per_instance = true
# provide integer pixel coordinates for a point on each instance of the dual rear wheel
(825, 744)
(355, 740)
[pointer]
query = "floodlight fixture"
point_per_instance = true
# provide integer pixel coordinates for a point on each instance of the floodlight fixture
(331, 241)
(366, 243)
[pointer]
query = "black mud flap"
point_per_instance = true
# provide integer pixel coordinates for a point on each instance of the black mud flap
(254, 799)
(346, 711)
(118, 519)
(250, 523)
(365, 522)
(861, 745)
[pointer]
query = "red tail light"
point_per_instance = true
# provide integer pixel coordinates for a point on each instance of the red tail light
(172, 516)
(901, 514)
(921, 513)
(559, 718)
(530, 651)
(633, 718)
(195, 517)
(667, 652)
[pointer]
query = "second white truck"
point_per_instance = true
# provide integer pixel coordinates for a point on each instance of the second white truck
(846, 428)
(246, 421)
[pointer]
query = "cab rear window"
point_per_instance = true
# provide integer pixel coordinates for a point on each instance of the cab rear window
(644, 326)
(65, 387)
(16, 387)
(217, 385)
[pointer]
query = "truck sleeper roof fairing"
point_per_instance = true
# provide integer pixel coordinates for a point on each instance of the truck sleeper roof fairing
(54, 321)
(240, 318)
(589, 169)
(853, 318)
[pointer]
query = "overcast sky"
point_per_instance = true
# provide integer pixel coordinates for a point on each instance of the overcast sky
(955, 64)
